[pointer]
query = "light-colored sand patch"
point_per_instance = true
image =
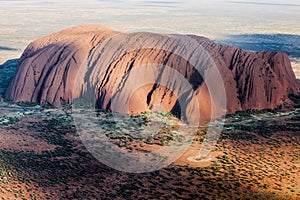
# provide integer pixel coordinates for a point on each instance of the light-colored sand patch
(189, 158)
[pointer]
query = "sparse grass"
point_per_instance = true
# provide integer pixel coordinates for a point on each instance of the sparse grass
(265, 195)
(251, 168)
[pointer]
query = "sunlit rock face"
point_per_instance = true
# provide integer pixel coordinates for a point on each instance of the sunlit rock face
(136, 72)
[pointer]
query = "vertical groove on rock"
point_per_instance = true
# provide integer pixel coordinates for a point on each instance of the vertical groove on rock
(94, 59)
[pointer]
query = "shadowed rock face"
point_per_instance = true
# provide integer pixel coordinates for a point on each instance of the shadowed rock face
(144, 70)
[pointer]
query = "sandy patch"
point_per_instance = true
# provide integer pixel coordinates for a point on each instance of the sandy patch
(193, 151)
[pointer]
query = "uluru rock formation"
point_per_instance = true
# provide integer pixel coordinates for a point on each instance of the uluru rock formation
(135, 72)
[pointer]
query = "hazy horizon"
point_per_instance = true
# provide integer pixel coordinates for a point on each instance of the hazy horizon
(23, 21)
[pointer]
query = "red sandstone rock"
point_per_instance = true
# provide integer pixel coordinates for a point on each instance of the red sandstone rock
(135, 72)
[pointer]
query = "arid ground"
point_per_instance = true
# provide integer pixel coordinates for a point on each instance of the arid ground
(42, 157)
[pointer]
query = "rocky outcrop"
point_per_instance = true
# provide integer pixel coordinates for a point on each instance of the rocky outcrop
(135, 72)
(48, 66)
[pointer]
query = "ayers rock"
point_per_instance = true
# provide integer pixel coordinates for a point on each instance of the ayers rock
(140, 71)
